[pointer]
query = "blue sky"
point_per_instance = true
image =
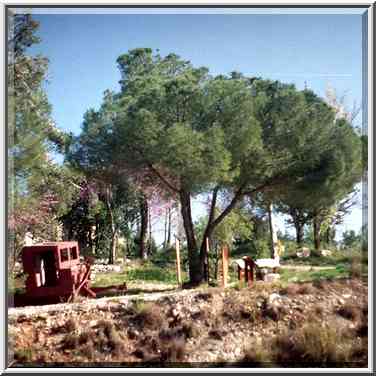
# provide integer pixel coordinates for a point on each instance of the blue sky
(311, 49)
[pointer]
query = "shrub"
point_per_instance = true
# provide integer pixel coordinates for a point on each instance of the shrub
(356, 267)
(257, 356)
(312, 345)
(349, 311)
(70, 326)
(148, 315)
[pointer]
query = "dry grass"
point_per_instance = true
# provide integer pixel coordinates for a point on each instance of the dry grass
(356, 267)
(255, 357)
(170, 332)
(148, 315)
(239, 308)
(312, 345)
(297, 288)
(104, 339)
(350, 311)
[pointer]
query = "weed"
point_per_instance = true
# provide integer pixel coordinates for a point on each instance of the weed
(70, 326)
(312, 345)
(217, 334)
(84, 337)
(318, 310)
(271, 312)
(206, 296)
(88, 351)
(349, 311)
(257, 356)
(356, 267)
(173, 352)
(70, 342)
(148, 315)
(306, 288)
(23, 355)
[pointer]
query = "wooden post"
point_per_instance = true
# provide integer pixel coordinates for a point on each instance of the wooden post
(249, 270)
(178, 271)
(224, 265)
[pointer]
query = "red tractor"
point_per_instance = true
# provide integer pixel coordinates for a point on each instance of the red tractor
(54, 270)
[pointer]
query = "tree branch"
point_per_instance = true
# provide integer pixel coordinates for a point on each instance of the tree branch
(155, 171)
(162, 178)
(237, 196)
(213, 203)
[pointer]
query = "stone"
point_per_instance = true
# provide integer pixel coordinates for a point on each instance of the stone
(267, 263)
(303, 252)
(271, 277)
(326, 253)
(273, 298)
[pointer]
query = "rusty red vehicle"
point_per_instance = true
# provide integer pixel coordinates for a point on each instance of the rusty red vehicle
(54, 269)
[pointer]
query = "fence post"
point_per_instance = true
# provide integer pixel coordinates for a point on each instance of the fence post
(178, 271)
(224, 265)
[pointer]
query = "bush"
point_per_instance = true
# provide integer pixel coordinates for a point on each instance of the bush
(148, 315)
(313, 345)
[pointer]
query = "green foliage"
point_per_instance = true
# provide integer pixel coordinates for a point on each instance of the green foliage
(350, 239)
(176, 126)
(320, 196)
(235, 226)
(291, 275)
(146, 271)
(260, 248)
(39, 191)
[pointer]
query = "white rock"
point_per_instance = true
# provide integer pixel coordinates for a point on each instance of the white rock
(326, 252)
(271, 277)
(274, 296)
(303, 252)
(117, 268)
(267, 263)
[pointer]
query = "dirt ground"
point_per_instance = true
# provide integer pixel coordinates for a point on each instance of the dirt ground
(311, 325)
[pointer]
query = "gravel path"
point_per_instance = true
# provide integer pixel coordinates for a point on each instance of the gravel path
(87, 304)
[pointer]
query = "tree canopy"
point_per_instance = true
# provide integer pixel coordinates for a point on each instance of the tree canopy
(228, 136)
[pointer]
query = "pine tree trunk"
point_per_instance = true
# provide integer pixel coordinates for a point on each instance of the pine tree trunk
(196, 265)
(316, 233)
(113, 244)
(114, 240)
(299, 233)
(143, 227)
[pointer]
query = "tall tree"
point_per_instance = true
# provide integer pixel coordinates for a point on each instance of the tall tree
(32, 134)
(313, 198)
(235, 135)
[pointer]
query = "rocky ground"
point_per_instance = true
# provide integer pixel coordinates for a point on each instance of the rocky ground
(311, 325)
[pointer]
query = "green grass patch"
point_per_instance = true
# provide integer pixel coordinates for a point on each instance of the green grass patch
(295, 275)
(153, 273)
(147, 272)
(336, 258)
